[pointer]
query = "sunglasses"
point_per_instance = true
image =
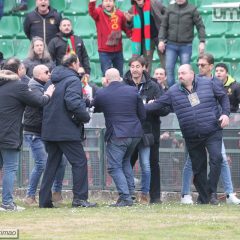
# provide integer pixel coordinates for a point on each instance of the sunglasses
(202, 65)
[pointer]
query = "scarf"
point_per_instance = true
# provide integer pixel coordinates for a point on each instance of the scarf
(70, 43)
(116, 34)
(136, 31)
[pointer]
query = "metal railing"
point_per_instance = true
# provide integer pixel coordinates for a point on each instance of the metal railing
(172, 156)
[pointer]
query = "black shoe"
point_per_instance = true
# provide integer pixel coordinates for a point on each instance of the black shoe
(213, 199)
(122, 203)
(155, 201)
(82, 203)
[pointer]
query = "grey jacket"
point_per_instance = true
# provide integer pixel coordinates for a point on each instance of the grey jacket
(178, 24)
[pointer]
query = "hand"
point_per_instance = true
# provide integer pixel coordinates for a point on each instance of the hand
(224, 120)
(128, 16)
(201, 47)
(104, 82)
(81, 71)
(85, 77)
(50, 90)
(165, 136)
(161, 46)
(92, 0)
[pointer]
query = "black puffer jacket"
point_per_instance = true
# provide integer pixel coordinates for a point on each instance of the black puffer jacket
(65, 114)
(45, 26)
(33, 116)
(14, 96)
(148, 90)
(58, 47)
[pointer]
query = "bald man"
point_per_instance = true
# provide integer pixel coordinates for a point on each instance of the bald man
(195, 101)
(32, 134)
(123, 111)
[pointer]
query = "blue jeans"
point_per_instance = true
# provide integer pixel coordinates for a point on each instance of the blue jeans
(118, 153)
(144, 159)
(9, 161)
(225, 174)
(173, 51)
(40, 157)
(111, 59)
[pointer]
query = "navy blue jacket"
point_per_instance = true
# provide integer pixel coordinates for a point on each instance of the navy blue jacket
(202, 119)
(123, 110)
(64, 115)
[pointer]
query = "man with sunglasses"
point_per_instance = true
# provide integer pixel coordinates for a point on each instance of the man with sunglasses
(32, 134)
(206, 65)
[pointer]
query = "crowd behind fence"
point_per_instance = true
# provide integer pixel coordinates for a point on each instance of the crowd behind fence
(172, 157)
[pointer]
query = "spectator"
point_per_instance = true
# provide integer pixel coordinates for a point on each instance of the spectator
(32, 135)
(65, 135)
(160, 75)
(23, 6)
(66, 42)
(144, 41)
(206, 65)
(176, 35)
(231, 87)
(37, 54)
(192, 100)
(123, 110)
(14, 96)
(110, 22)
(42, 22)
(148, 90)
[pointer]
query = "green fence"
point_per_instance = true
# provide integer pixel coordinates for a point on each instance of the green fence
(172, 156)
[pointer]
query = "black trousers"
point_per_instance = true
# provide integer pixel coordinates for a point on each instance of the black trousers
(197, 149)
(73, 150)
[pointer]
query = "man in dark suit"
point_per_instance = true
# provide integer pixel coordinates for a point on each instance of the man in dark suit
(123, 111)
(62, 130)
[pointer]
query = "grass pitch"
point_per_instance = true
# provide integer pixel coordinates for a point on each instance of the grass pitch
(165, 221)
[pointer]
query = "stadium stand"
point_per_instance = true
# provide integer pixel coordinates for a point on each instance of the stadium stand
(233, 30)
(60, 5)
(6, 46)
(233, 53)
(21, 47)
(83, 25)
(217, 47)
(222, 37)
(214, 29)
(75, 8)
(9, 26)
(8, 5)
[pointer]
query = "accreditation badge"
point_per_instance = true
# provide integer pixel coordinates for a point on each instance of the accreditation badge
(52, 21)
(193, 99)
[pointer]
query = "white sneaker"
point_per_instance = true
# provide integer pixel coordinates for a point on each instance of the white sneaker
(186, 199)
(232, 199)
(11, 207)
